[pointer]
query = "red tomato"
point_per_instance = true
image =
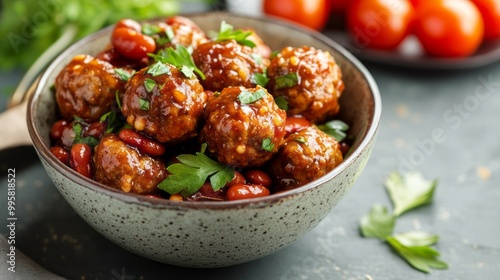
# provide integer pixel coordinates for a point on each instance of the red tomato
(131, 43)
(449, 28)
(380, 24)
(415, 3)
(310, 13)
(490, 11)
(337, 5)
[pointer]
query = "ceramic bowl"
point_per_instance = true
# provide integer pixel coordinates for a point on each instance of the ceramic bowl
(213, 234)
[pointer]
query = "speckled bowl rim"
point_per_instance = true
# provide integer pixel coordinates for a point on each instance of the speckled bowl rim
(92, 185)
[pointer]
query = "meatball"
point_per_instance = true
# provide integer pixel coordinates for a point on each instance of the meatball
(309, 79)
(305, 156)
(122, 167)
(86, 88)
(243, 126)
(185, 32)
(164, 106)
(228, 64)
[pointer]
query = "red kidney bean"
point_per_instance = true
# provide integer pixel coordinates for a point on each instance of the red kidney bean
(129, 23)
(208, 192)
(56, 131)
(68, 135)
(142, 143)
(81, 158)
(131, 43)
(243, 191)
(61, 154)
(294, 124)
(344, 147)
(258, 177)
(181, 20)
(237, 179)
(95, 130)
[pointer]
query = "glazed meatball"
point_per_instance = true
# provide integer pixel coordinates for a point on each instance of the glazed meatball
(122, 167)
(185, 32)
(305, 156)
(228, 64)
(165, 106)
(242, 133)
(309, 79)
(86, 88)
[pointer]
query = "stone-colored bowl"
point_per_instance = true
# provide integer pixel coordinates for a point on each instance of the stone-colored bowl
(213, 234)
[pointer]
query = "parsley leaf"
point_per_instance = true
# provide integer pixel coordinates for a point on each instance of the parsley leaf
(77, 129)
(267, 145)
(124, 74)
(144, 104)
(188, 176)
(260, 79)
(409, 191)
(287, 81)
(247, 97)
(227, 32)
(422, 258)
(281, 102)
(180, 58)
(158, 69)
(149, 84)
(113, 122)
(118, 100)
(416, 238)
(378, 223)
(150, 29)
(335, 128)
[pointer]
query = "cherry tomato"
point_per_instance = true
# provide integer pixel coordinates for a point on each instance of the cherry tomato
(310, 13)
(449, 28)
(490, 11)
(380, 24)
(131, 43)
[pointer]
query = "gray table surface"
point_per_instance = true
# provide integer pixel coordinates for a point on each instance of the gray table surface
(463, 106)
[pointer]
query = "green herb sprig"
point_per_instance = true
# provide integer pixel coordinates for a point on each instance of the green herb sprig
(77, 129)
(247, 97)
(335, 128)
(180, 58)
(227, 32)
(407, 192)
(188, 176)
(287, 81)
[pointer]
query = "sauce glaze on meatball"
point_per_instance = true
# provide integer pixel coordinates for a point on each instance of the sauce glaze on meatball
(86, 88)
(318, 82)
(122, 167)
(243, 135)
(228, 64)
(170, 110)
(305, 156)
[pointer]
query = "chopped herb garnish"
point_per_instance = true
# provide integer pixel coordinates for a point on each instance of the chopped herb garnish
(157, 69)
(281, 102)
(123, 74)
(407, 192)
(274, 54)
(149, 84)
(257, 57)
(260, 79)
(188, 176)
(179, 57)
(300, 139)
(113, 122)
(169, 32)
(150, 29)
(267, 145)
(287, 81)
(144, 104)
(247, 97)
(227, 32)
(77, 129)
(336, 128)
(188, 72)
(118, 101)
